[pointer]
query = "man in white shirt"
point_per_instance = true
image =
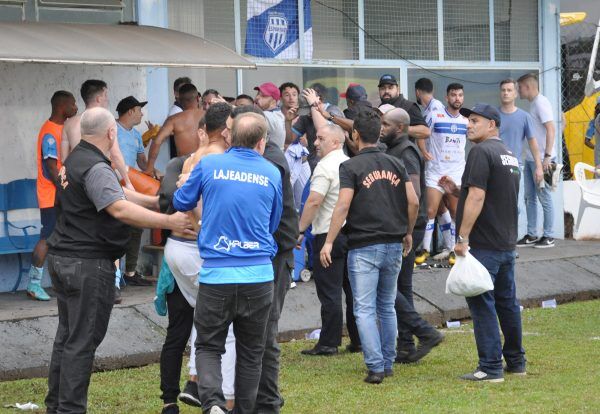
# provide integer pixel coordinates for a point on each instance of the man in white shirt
(544, 131)
(324, 190)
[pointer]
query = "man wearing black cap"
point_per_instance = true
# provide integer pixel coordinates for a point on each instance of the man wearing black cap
(389, 93)
(356, 99)
(486, 222)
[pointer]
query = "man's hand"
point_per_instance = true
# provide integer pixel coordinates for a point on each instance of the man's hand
(311, 96)
(546, 164)
(427, 155)
(461, 249)
(150, 125)
(407, 245)
(179, 222)
(216, 99)
(448, 185)
(539, 174)
(299, 241)
(291, 114)
(326, 254)
(158, 174)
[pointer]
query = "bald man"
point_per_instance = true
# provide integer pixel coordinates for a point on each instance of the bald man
(91, 233)
(318, 209)
(394, 133)
(95, 95)
(183, 126)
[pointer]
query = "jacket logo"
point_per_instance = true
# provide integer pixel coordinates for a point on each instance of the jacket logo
(62, 175)
(225, 244)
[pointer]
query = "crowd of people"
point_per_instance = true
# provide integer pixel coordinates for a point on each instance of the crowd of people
(375, 180)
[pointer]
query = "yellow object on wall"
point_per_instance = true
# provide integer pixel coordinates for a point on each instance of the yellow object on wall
(577, 121)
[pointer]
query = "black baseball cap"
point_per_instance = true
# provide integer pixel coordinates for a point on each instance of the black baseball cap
(355, 92)
(127, 103)
(387, 79)
(484, 110)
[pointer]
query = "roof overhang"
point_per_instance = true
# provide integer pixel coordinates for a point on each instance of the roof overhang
(122, 45)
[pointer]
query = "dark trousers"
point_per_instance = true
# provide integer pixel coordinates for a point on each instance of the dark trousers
(248, 307)
(181, 320)
(133, 249)
(85, 293)
(409, 321)
(498, 304)
(269, 399)
(329, 283)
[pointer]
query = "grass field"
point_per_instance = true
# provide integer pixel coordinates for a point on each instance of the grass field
(563, 352)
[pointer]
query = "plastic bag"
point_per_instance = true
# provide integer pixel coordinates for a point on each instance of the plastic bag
(468, 277)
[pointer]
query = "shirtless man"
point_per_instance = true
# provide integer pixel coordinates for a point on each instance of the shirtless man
(183, 126)
(183, 258)
(94, 94)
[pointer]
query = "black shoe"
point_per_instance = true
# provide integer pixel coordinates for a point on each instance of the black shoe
(520, 371)
(527, 240)
(118, 298)
(189, 395)
(374, 377)
(320, 350)
(170, 409)
(544, 243)
(388, 373)
(353, 348)
(426, 344)
(136, 280)
(405, 357)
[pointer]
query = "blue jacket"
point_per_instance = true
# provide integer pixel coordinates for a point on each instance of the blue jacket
(241, 207)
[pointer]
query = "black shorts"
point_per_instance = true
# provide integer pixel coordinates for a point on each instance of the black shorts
(48, 218)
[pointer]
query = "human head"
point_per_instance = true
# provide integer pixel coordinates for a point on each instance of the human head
(267, 96)
(484, 122)
(94, 93)
(528, 86)
(455, 96)
(423, 88)
(354, 93)
(289, 94)
(321, 90)
(329, 138)
(388, 88)
(130, 111)
(367, 127)
(244, 100)
(393, 124)
(99, 128)
(216, 120)
(508, 91)
(63, 104)
(208, 96)
(249, 131)
(188, 96)
(178, 83)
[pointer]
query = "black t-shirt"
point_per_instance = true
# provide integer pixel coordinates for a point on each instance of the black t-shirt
(492, 167)
(416, 116)
(379, 209)
(305, 125)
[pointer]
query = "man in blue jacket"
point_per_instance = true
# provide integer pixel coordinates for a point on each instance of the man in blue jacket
(242, 204)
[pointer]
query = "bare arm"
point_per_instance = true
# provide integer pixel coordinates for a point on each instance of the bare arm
(471, 211)
(340, 212)
(535, 152)
(142, 162)
(313, 202)
(52, 166)
(413, 206)
(419, 131)
(164, 133)
(134, 215)
(550, 132)
(146, 201)
(119, 163)
(290, 115)
(416, 182)
(423, 149)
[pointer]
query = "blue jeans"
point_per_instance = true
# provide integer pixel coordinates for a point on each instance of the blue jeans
(502, 304)
(373, 272)
(532, 190)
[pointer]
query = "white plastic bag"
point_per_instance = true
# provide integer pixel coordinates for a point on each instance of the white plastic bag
(468, 277)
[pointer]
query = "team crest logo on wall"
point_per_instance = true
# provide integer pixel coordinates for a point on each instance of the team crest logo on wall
(276, 31)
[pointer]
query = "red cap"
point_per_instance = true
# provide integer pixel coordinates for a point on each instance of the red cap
(269, 89)
(343, 94)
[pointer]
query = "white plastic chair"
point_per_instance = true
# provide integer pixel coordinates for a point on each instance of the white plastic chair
(590, 192)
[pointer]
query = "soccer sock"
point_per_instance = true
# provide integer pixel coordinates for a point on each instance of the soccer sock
(445, 223)
(428, 234)
(35, 274)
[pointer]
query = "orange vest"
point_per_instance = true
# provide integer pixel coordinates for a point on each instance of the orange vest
(49, 136)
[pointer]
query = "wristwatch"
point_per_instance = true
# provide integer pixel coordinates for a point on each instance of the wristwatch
(546, 155)
(462, 240)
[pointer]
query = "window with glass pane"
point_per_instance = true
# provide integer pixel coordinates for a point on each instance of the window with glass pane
(466, 30)
(516, 30)
(396, 30)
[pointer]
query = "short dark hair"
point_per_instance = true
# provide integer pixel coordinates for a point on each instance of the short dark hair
(59, 97)
(289, 85)
(244, 96)
(368, 125)
(210, 92)
(527, 77)
(92, 88)
(454, 87)
(216, 116)
(320, 89)
(238, 110)
(180, 81)
(424, 84)
(248, 129)
(187, 93)
(508, 80)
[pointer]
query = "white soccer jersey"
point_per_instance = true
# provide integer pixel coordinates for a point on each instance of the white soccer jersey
(447, 144)
(434, 106)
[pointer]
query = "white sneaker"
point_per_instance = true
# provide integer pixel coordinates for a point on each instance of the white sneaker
(443, 255)
(215, 409)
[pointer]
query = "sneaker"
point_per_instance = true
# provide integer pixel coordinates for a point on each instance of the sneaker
(215, 409)
(37, 292)
(527, 240)
(136, 280)
(443, 255)
(189, 395)
(353, 348)
(374, 377)
(320, 350)
(388, 373)
(452, 258)
(521, 371)
(426, 344)
(404, 357)
(480, 376)
(118, 298)
(421, 257)
(170, 409)
(544, 243)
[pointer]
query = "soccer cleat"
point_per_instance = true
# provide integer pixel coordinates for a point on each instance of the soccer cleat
(452, 258)
(421, 257)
